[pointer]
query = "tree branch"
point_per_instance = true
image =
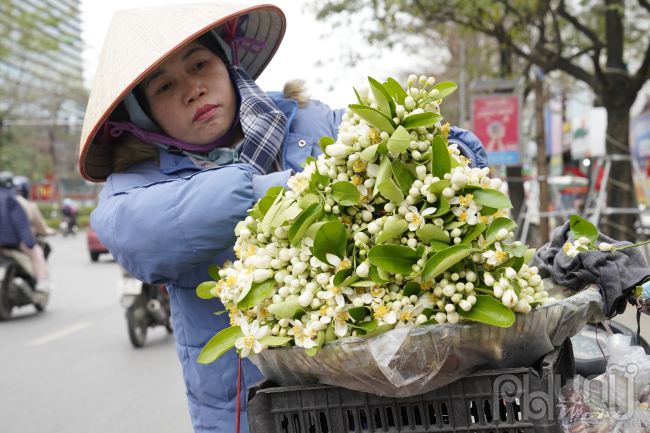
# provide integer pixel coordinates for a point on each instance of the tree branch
(645, 4)
(643, 73)
(579, 26)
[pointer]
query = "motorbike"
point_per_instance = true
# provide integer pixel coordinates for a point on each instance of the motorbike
(68, 226)
(147, 305)
(17, 284)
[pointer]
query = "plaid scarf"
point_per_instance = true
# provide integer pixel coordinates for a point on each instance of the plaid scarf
(262, 122)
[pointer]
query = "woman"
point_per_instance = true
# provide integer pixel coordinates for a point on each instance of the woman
(187, 143)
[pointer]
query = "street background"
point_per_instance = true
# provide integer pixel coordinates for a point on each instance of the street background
(73, 369)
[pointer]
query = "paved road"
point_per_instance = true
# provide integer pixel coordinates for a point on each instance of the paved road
(72, 368)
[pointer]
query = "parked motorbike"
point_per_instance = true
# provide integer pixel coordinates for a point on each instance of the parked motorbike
(147, 305)
(68, 226)
(17, 284)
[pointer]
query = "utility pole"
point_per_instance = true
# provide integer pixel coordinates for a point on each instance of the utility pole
(461, 113)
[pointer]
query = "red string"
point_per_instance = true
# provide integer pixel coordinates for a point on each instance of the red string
(598, 342)
(238, 393)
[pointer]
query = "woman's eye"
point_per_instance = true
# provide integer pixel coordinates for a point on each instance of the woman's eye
(200, 65)
(164, 88)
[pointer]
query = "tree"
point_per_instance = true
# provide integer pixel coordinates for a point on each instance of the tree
(589, 40)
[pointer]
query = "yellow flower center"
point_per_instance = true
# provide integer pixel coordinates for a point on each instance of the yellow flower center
(359, 166)
(417, 219)
(231, 281)
(489, 267)
(445, 129)
(566, 247)
(498, 214)
(374, 136)
(302, 185)
(381, 311)
(232, 321)
(483, 219)
(345, 264)
(426, 285)
(296, 331)
(504, 212)
(336, 290)
(341, 317)
(501, 256)
(249, 340)
(238, 252)
(250, 314)
(263, 313)
(377, 291)
(251, 251)
(359, 291)
(232, 309)
(464, 160)
(465, 200)
(405, 317)
(356, 180)
(227, 264)
(249, 270)
(462, 217)
(434, 298)
(346, 220)
(323, 310)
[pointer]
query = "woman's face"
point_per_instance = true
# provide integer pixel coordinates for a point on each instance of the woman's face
(191, 96)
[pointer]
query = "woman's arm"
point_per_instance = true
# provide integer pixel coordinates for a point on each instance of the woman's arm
(161, 230)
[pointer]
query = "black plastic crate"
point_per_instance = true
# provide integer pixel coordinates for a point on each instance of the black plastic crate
(515, 400)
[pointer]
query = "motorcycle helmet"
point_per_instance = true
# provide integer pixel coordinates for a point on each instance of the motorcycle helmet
(6, 179)
(22, 185)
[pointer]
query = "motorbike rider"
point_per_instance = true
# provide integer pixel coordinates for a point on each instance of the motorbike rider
(15, 230)
(39, 228)
(69, 211)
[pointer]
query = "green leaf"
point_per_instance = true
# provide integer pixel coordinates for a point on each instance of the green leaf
(581, 227)
(489, 310)
(454, 225)
(445, 259)
(473, 233)
(329, 333)
(319, 343)
(367, 326)
(384, 101)
(443, 207)
(374, 117)
(292, 212)
(412, 288)
(257, 293)
(313, 229)
(421, 119)
(516, 251)
(265, 227)
(213, 270)
(363, 283)
(498, 224)
(445, 88)
(391, 191)
(369, 152)
(272, 340)
(384, 172)
(399, 141)
(265, 204)
(487, 210)
(204, 290)
(398, 90)
(404, 176)
(379, 330)
(280, 217)
(358, 97)
(286, 309)
(469, 189)
(374, 274)
(448, 217)
(359, 313)
(492, 198)
(437, 187)
(431, 232)
(345, 193)
(383, 273)
(331, 238)
(219, 313)
(528, 255)
(275, 191)
(393, 258)
(341, 276)
(392, 229)
(440, 163)
(438, 246)
(220, 344)
(516, 287)
(429, 322)
(308, 200)
(324, 142)
(519, 262)
(350, 280)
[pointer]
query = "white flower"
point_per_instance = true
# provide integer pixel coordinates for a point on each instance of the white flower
(572, 250)
(363, 270)
(338, 263)
(336, 150)
(509, 298)
(336, 293)
(406, 317)
(467, 215)
(459, 179)
(250, 339)
(341, 323)
(297, 186)
(305, 299)
(372, 170)
(495, 258)
(604, 246)
(416, 219)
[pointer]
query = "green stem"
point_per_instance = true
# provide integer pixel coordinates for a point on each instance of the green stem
(630, 246)
(486, 291)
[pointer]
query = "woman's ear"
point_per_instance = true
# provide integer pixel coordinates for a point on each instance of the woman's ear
(297, 90)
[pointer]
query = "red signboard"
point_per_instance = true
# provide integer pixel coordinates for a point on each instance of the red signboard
(43, 192)
(495, 121)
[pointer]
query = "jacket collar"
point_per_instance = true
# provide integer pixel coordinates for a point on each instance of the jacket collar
(171, 163)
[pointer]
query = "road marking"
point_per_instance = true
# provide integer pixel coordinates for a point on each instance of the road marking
(59, 334)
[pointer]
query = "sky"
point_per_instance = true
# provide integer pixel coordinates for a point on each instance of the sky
(304, 45)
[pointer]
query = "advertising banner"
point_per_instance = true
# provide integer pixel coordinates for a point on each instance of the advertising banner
(640, 144)
(496, 122)
(589, 131)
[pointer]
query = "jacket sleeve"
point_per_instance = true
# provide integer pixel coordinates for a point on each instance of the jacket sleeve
(469, 145)
(21, 224)
(161, 230)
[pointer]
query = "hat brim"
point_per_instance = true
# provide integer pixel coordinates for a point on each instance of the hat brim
(138, 40)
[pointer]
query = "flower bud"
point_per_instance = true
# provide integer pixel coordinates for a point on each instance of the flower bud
(511, 273)
(465, 305)
(421, 319)
(509, 298)
(604, 246)
(502, 234)
(431, 81)
(364, 90)
(409, 102)
(459, 179)
(411, 80)
(305, 299)
(421, 171)
(450, 308)
(260, 275)
(498, 291)
(584, 240)
(453, 318)
(489, 280)
(534, 280)
(448, 193)
(470, 276)
(363, 270)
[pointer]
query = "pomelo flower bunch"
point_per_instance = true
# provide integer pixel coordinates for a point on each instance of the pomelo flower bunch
(391, 227)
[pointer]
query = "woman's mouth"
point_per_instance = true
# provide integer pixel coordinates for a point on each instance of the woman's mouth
(205, 112)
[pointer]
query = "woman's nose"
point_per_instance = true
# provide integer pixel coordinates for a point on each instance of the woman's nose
(194, 91)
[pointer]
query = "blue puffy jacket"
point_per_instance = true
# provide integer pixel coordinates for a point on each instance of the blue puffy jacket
(168, 223)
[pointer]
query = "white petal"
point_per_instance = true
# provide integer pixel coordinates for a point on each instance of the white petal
(372, 170)
(340, 300)
(257, 347)
(413, 227)
(472, 220)
(347, 291)
(413, 209)
(261, 332)
(340, 328)
(245, 352)
(255, 326)
(333, 260)
(391, 319)
(366, 298)
(239, 343)
(244, 328)
(362, 189)
(428, 211)
(309, 242)
(307, 343)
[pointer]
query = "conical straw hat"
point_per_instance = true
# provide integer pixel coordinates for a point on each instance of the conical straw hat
(138, 40)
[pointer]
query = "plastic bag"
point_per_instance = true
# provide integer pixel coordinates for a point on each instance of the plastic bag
(616, 402)
(403, 362)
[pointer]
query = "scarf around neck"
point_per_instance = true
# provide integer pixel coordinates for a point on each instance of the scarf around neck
(261, 120)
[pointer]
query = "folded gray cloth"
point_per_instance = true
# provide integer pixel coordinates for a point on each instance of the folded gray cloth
(616, 274)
